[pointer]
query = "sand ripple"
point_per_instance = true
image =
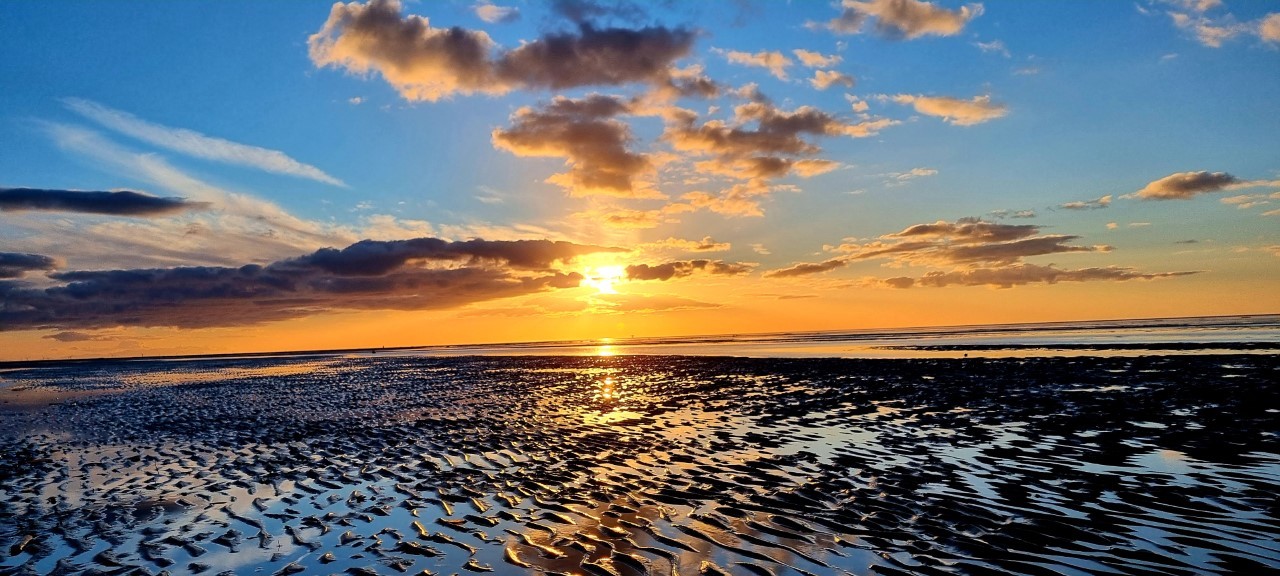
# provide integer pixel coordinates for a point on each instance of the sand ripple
(644, 465)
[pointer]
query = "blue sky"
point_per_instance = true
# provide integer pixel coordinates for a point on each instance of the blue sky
(952, 110)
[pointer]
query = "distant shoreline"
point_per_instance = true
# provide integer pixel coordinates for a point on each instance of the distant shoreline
(821, 336)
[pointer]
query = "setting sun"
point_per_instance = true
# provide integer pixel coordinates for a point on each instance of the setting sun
(602, 278)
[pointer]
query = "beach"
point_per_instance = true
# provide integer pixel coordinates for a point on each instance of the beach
(642, 465)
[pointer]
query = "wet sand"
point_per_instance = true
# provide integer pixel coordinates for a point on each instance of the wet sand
(631, 465)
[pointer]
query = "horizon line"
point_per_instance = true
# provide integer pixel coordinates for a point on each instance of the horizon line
(612, 341)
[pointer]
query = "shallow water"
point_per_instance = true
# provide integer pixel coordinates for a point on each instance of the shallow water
(645, 464)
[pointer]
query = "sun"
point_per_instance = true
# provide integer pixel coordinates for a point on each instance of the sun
(602, 278)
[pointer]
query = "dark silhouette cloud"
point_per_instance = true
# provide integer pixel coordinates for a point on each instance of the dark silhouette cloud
(118, 203)
(418, 274)
(16, 265)
(682, 268)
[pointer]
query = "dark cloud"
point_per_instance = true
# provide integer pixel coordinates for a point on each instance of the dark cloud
(584, 133)
(1021, 274)
(16, 265)
(118, 203)
(593, 57)
(375, 257)
(73, 337)
(680, 269)
(426, 63)
(419, 274)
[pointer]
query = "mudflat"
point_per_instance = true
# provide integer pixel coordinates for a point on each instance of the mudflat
(625, 465)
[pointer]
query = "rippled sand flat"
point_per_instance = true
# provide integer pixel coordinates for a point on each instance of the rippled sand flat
(643, 465)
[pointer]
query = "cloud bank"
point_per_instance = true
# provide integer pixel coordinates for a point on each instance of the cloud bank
(416, 274)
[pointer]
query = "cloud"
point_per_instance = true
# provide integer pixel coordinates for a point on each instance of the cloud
(1094, 204)
(645, 303)
(762, 144)
(1022, 274)
(903, 177)
(627, 218)
(117, 203)
(1209, 31)
(593, 143)
(823, 79)
(1013, 213)
(198, 145)
(967, 243)
(494, 14)
(955, 110)
(993, 47)
(683, 268)
(1185, 185)
(1246, 201)
(775, 61)
(1269, 28)
(907, 19)
(16, 265)
(426, 63)
(417, 274)
(707, 244)
(806, 268)
(75, 337)
(235, 227)
(815, 59)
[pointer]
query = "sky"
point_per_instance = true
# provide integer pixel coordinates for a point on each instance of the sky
(215, 177)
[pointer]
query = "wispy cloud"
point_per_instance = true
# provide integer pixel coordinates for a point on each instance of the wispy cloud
(198, 145)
